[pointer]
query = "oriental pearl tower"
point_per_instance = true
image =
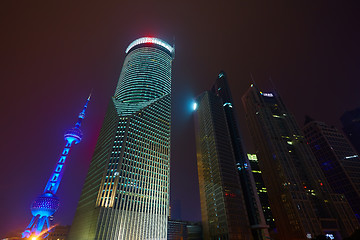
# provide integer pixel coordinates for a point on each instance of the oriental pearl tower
(48, 203)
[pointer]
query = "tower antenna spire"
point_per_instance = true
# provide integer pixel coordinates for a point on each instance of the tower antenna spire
(273, 84)
(252, 78)
(90, 94)
(48, 203)
(82, 113)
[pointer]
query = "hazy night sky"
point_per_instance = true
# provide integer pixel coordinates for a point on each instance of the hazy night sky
(52, 53)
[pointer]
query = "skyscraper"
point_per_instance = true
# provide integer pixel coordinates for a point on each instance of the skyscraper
(230, 207)
(302, 202)
(223, 210)
(351, 126)
(48, 203)
(252, 202)
(338, 160)
(126, 191)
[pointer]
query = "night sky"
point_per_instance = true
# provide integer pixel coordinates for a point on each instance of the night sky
(52, 53)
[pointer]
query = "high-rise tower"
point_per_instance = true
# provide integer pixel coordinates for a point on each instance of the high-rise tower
(126, 191)
(302, 202)
(230, 207)
(251, 198)
(48, 203)
(223, 211)
(338, 160)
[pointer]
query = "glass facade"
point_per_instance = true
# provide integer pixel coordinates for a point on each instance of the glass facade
(257, 222)
(301, 199)
(179, 230)
(338, 160)
(126, 192)
(223, 209)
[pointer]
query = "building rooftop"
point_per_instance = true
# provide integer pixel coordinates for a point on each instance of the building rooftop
(150, 40)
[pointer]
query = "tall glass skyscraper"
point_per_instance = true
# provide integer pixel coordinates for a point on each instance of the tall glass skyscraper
(230, 206)
(126, 192)
(252, 202)
(223, 210)
(302, 202)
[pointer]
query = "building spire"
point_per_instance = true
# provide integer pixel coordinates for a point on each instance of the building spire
(82, 113)
(252, 78)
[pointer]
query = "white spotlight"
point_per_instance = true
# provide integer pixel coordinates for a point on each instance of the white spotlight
(195, 106)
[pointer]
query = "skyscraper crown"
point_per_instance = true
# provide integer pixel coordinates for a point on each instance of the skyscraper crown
(150, 40)
(146, 74)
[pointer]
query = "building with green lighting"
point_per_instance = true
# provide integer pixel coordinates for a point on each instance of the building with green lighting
(126, 191)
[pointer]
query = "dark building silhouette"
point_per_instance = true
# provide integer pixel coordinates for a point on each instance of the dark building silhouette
(338, 160)
(253, 205)
(351, 126)
(302, 202)
(262, 191)
(184, 230)
(59, 233)
(230, 206)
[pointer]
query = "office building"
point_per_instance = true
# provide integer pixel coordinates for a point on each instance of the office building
(184, 230)
(230, 207)
(351, 127)
(253, 206)
(301, 200)
(262, 191)
(126, 191)
(338, 160)
(223, 211)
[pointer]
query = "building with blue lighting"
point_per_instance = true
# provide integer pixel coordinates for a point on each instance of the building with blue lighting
(48, 203)
(126, 191)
